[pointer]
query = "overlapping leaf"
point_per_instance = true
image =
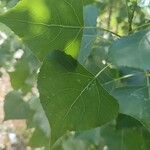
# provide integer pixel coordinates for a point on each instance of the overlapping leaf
(132, 51)
(127, 138)
(124, 134)
(72, 97)
(133, 94)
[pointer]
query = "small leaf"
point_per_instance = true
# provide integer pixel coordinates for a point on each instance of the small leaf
(112, 136)
(15, 107)
(86, 2)
(134, 101)
(72, 97)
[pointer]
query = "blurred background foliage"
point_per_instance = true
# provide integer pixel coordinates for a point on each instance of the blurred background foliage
(114, 19)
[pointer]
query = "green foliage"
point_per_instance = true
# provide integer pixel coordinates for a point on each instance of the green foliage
(70, 63)
(41, 135)
(126, 133)
(47, 23)
(72, 103)
(22, 111)
(134, 101)
(131, 51)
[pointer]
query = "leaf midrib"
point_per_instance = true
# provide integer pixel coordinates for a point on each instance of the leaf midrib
(53, 25)
(84, 89)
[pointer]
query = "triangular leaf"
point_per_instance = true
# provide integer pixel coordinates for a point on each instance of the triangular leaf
(72, 97)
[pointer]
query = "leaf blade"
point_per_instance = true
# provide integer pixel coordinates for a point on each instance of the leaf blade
(68, 99)
(43, 24)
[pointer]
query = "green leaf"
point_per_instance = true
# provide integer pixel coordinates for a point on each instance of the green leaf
(86, 2)
(19, 76)
(125, 121)
(41, 134)
(72, 97)
(132, 91)
(32, 111)
(89, 36)
(15, 107)
(113, 136)
(45, 25)
(132, 51)
(134, 101)
(125, 138)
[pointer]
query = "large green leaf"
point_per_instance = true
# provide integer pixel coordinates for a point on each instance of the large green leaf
(132, 51)
(46, 25)
(72, 97)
